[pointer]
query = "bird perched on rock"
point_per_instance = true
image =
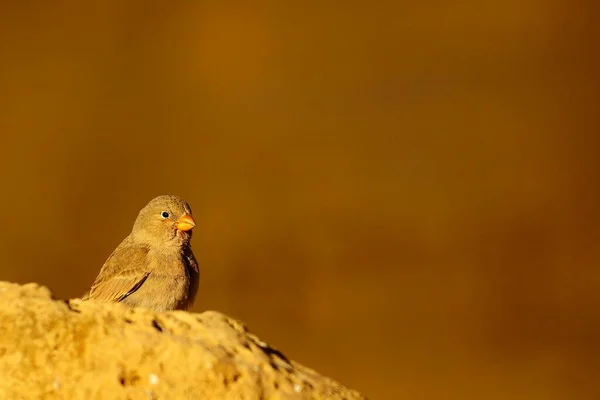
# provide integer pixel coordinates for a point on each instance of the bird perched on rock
(154, 266)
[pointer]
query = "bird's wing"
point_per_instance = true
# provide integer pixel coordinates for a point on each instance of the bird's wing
(122, 274)
(193, 272)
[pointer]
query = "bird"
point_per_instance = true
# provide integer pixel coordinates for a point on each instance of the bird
(154, 266)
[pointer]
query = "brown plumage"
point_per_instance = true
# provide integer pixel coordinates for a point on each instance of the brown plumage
(154, 266)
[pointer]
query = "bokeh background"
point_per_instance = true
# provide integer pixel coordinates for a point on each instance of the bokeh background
(402, 195)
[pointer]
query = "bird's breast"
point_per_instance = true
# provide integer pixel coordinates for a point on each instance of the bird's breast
(167, 286)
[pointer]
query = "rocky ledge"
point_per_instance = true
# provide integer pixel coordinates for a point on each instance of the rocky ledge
(86, 350)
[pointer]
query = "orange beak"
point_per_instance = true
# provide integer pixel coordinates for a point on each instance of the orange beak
(185, 223)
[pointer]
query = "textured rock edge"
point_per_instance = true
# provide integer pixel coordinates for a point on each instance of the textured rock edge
(75, 349)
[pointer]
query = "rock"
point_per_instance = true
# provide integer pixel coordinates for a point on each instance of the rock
(87, 350)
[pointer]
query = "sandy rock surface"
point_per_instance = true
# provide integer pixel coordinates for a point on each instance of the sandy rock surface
(87, 350)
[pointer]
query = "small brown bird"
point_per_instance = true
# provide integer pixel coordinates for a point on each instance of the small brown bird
(154, 266)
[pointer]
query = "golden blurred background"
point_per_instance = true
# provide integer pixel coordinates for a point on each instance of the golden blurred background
(402, 195)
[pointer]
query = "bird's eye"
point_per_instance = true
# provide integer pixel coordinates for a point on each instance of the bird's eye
(164, 214)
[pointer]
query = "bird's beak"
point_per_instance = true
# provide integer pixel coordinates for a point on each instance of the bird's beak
(185, 223)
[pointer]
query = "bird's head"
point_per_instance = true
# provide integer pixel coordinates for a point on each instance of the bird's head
(164, 221)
